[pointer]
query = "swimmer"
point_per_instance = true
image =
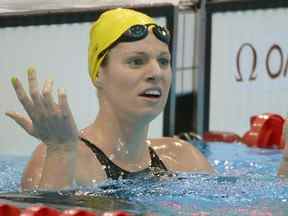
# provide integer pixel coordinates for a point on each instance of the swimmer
(130, 66)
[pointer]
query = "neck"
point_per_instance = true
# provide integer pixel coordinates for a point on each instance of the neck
(122, 138)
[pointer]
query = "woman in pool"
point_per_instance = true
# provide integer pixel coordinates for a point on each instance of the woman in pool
(130, 66)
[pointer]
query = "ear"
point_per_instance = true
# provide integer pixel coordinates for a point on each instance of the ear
(99, 83)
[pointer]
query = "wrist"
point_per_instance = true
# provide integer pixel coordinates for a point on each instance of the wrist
(63, 147)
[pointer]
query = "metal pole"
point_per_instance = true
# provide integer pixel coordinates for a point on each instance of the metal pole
(200, 66)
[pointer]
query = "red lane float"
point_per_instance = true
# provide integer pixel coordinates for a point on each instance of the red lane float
(9, 210)
(40, 210)
(77, 212)
(265, 132)
(221, 136)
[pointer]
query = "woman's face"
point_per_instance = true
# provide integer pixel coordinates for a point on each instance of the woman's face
(137, 78)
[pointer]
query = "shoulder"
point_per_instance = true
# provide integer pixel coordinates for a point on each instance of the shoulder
(88, 168)
(172, 144)
(180, 155)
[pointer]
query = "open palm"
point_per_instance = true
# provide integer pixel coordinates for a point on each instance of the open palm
(47, 120)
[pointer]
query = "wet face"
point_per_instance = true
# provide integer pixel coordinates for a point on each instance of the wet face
(136, 79)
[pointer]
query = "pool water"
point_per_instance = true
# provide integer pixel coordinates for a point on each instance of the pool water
(245, 184)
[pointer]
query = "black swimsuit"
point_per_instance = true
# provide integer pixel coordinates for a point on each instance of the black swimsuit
(115, 172)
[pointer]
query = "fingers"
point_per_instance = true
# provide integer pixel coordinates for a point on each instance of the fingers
(40, 105)
(65, 108)
(34, 105)
(48, 101)
(23, 121)
(63, 103)
(49, 121)
(22, 96)
(33, 88)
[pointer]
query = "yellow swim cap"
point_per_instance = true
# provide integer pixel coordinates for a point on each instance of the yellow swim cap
(106, 30)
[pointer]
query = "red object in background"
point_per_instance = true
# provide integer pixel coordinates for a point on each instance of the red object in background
(9, 210)
(221, 136)
(40, 210)
(77, 212)
(266, 131)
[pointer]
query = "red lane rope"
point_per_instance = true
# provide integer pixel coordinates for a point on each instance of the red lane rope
(42, 210)
(9, 210)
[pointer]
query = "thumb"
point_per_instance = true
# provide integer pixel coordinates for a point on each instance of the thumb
(23, 121)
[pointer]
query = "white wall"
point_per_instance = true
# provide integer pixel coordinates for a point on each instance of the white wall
(231, 102)
(58, 52)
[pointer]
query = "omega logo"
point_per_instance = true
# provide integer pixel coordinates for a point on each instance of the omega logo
(275, 50)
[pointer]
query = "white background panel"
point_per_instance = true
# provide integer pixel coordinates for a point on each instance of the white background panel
(185, 52)
(231, 102)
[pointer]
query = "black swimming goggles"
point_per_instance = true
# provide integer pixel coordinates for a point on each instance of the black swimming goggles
(138, 32)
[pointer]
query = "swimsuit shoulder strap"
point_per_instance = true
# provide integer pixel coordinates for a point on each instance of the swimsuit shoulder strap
(112, 170)
(156, 162)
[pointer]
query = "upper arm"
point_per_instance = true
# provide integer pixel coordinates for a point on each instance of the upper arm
(32, 173)
(196, 159)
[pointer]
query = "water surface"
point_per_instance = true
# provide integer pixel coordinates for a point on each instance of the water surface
(245, 183)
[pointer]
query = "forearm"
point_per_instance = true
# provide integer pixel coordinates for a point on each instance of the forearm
(59, 167)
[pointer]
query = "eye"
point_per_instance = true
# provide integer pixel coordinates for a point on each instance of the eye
(136, 62)
(164, 62)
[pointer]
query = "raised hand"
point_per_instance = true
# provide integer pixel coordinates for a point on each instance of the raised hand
(47, 120)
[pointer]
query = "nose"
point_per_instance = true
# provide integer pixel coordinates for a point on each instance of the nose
(154, 71)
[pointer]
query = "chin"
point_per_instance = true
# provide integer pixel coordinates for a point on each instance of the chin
(146, 113)
(150, 115)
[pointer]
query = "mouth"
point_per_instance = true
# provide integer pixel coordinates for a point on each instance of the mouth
(152, 93)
